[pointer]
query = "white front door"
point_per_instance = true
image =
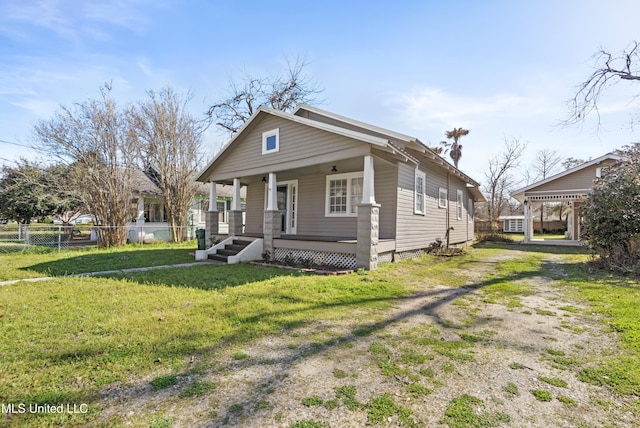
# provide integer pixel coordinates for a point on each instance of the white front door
(287, 200)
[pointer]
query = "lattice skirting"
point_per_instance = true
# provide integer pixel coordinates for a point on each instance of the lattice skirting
(408, 254)
(385, 257)
(317, 258)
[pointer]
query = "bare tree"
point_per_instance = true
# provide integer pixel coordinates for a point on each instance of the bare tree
(544, 165)
(170, 146)
(500, 178)
(93, 138)
(454, 148)
(284, 93)
(571, 162)
(610, 69)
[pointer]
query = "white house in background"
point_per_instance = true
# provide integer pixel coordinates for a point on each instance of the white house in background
(151, 222)
(570, 187)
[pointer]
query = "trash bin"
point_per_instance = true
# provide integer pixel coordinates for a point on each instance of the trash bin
(200, 233)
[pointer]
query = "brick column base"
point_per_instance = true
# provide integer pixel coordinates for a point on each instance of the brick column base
(271, 229)
(235, 223)
(368, 236)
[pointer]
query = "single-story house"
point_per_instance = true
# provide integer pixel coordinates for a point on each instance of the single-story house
(150, 222)
(570, 187)
(336, 191)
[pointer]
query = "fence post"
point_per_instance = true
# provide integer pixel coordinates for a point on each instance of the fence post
(59, 237)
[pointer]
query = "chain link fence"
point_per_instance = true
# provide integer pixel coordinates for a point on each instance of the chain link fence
(16, 238)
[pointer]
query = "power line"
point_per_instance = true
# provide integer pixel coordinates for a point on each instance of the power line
(15, 144)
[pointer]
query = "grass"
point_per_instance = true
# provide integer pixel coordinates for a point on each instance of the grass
(460, 414)
(554, 381)
(64, 340)
(541, 395)
(41, 262)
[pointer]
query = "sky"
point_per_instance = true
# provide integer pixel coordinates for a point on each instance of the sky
(502, 69)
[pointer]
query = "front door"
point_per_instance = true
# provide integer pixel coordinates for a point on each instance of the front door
(287, 201)
(282, 205)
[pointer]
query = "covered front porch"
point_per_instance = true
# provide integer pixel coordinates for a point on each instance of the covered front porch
(295, 211)
(570, 201)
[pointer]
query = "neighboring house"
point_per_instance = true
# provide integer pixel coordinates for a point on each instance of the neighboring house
(569, 187)
(512, 223)
(151, 221)
(331, 190)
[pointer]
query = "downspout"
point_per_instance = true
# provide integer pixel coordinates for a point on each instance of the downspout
(448, 204)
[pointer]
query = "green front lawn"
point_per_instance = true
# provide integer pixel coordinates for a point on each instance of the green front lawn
(39, 262)
(67, 339)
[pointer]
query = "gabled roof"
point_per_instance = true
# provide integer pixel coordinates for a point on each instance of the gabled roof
(394, 135)
(262, 111)
(389, 140)
(519, 194)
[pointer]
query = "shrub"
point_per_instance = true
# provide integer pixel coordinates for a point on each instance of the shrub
(612, 214)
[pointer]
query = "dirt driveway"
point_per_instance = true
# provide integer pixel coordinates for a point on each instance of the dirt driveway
(473, 355)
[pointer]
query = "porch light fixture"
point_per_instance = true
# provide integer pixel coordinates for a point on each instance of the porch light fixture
(334, 169)
(264, 179)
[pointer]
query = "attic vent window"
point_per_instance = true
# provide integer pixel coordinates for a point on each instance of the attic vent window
(271, 141)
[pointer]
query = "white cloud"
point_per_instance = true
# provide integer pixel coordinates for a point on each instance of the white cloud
(427, 108)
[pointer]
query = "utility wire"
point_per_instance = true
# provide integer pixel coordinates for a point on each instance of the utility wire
(15, 144)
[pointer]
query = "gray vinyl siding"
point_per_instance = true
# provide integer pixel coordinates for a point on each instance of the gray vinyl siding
(578, 180)
(311, 206)
(297, 143)
(254, 209)
(415, 231)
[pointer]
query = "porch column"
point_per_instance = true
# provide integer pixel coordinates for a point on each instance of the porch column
(140, 220)
(368, 191)
(272, 224)
(368, 221)
(211, 216)
(528, 225)
(235, 214)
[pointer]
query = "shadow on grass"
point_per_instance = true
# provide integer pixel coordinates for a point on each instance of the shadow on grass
(79, 261)
(208, 276)
(535, 248)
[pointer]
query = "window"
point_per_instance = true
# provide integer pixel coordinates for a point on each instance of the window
(271, 141)
(442, 197)
(602, 172)
(420, 186)
(470, 209)
(459, 204)
(344, 193)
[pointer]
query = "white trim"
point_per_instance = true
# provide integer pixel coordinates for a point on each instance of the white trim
(292, 204)
(459, 204)
(267, 134)
(349, 177)
(441, 191)
(419, 209)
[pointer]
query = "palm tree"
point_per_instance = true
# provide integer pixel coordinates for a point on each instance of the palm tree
(454, 148)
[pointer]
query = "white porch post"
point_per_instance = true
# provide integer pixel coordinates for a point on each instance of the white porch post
(368, 221)
(527, 220)
(368, 191)
(272, 193)
(235, 215)
(140, 219)
(235, 203)
(213, 196)
(211, 216)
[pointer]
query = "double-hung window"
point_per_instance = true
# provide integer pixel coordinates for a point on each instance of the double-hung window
(343, 194)
(459, 203)
(419, 190)
(470, 209)
(443, 195)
